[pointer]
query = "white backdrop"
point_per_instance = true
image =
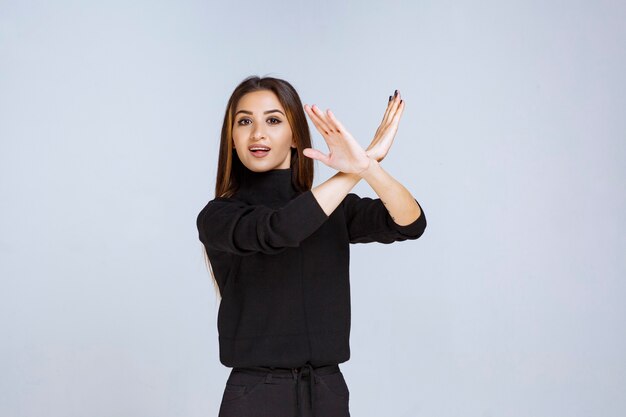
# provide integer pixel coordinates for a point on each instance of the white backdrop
(513, 140)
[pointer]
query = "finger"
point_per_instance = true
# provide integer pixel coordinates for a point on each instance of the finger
(315, 154)
(335, 123)
(387, 110)
(398, 114)
(391, 107)
(317, 121)
(394, 104)
(392, 125)
(383, 122)
(395, 108)
(317, 116)
(325, 116)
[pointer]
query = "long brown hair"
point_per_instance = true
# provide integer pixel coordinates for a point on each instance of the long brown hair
(230, 168)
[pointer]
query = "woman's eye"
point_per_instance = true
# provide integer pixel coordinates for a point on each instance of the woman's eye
(272, 120)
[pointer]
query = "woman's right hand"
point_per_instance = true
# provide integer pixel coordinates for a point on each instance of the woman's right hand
(345, 154)
(386, 132)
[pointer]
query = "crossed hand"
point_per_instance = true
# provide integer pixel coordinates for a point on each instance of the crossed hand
(344, 152)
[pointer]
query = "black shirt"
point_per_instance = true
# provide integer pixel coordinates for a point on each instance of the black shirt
(282, 267)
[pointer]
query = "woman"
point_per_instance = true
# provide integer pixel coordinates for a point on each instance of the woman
(279, 249)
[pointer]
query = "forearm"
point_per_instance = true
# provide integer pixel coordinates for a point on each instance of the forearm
(331, 192)
(399, 202)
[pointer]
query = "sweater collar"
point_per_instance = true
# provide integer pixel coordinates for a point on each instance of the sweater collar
(270, 186)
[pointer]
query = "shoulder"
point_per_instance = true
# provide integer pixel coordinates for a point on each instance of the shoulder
(221, 201)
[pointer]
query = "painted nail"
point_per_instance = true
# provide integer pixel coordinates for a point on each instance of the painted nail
(389, 98)
(396, 93)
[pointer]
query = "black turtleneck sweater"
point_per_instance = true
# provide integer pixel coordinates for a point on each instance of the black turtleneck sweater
(282, 267)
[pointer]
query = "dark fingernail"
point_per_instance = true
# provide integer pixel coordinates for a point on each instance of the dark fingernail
(389, 98)
(396, 93)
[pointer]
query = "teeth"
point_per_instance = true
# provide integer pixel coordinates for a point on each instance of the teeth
(259, 149)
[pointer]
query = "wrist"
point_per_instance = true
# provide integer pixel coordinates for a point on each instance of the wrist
(373, 165)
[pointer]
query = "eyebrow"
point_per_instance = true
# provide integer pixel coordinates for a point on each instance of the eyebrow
(265, 112)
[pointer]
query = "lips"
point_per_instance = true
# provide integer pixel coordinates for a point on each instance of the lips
(259, 147)
(259, 151)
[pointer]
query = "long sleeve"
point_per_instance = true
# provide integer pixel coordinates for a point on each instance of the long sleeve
(233, 226)
(368, 220)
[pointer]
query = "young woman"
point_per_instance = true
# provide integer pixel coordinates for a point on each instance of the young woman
(279, 249)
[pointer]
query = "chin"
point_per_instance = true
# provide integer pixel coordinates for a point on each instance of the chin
(258, 166)
(261, 165)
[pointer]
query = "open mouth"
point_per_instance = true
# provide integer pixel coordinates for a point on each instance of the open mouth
(259, 151)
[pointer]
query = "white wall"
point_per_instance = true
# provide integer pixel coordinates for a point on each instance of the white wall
(513, 140)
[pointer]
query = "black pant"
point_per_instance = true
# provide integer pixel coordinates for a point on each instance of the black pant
(286, 392)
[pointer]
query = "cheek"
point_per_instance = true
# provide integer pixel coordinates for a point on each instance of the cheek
(237, 140)
(286, 136)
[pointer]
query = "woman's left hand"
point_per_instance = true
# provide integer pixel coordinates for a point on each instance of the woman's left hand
(386, 132)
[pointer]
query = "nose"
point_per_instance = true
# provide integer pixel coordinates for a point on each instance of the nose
(258, 132)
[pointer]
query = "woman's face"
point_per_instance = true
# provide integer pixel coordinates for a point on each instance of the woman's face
(260, 122)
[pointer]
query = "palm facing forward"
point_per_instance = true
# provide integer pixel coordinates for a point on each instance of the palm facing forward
(344, 152)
